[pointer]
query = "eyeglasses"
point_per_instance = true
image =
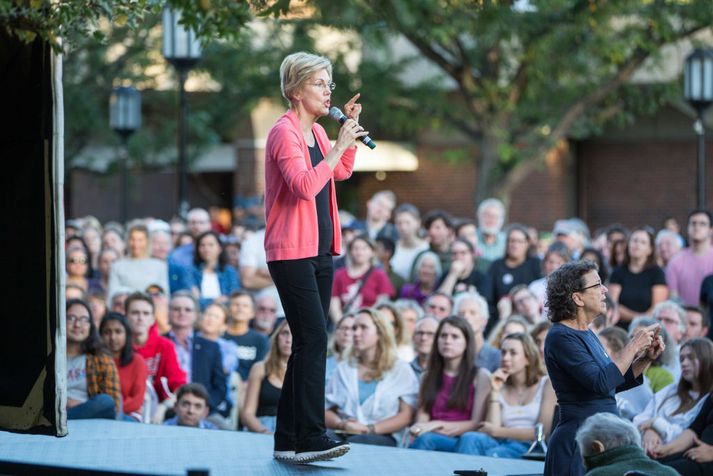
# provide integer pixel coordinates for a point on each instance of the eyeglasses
(266, 309)
(82, 320)
(78, 260)
(599, 284)
(322, 85)
(424, 334)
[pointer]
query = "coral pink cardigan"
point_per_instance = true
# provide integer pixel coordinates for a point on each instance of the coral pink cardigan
(291, 185)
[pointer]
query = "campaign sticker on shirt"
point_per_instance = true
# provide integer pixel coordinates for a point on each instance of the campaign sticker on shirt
(507, 278)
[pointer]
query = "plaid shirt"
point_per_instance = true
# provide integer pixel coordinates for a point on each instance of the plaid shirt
(102, 377)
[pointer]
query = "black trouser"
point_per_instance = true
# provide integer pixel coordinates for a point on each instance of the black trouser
(305, 288)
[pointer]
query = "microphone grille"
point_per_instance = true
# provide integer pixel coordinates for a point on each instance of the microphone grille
(335, 113)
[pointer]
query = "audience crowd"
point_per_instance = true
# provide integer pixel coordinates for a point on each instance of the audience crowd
(437, 327)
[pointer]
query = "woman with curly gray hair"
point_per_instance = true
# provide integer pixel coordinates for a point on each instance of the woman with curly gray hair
(584, 377)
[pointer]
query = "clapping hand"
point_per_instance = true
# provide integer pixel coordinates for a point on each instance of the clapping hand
(643, 338)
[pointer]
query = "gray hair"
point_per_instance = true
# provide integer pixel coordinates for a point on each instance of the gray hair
(183, 293)
(669, 354)
(297, 68)
(424, 255)
(492, 202)
(402, 305)
(612, 431)
(460, 298)
(669, 304)
(668, 233)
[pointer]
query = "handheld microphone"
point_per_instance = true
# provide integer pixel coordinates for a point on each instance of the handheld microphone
(336, 114)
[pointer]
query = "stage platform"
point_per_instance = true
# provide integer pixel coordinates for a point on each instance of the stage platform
(102, 445)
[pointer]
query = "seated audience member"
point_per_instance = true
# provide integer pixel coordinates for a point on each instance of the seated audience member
(360, 283)
(404, 346)
(462, 275)
(668, 243)
(697, 322)
(438, 225)
(524, 303)
(266, 308)
(557, 254)
(474, 309)
(371, 396)
(385, 248)
(539, 334)
(639, 284)
(252, 346)
(160, 305)
(659, 373)
(259, 413)
(439, 305)
(673, 408)
(491, 217)
(378, 213)
(467, 230)
(106, 259)
(511, 325)
(411, 312)
(199, 357)
(691, 453)
(97, 302)
(428, 271)
(161, 242)
(93, 388)
(611, 446)
(672, 318)
(214, 278)
(341, 343)
(212, 326)
(454, 391)
(521, 397)
(138, 270)
(117, 301)
(113, 237)
(423, 338)
(633, 401)
(158, 352)
(116, 334)
(78, 268)
(74, 291)
(191, 407)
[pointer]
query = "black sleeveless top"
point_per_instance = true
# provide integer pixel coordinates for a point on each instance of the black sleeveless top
(267, 399)
(324, 220)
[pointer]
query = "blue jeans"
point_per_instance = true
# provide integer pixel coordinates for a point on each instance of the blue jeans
(99, 406)
(476, 443)
(435, 442)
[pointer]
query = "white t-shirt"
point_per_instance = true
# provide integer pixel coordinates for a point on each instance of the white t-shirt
(77, 378)
(402, 261)
(210, 286)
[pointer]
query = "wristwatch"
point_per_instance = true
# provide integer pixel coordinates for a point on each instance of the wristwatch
(370, 427)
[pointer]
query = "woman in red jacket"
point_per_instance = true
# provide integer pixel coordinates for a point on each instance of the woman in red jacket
(116, 334)
(302, 233)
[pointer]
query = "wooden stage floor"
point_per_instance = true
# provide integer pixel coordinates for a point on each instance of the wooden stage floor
(130, 447)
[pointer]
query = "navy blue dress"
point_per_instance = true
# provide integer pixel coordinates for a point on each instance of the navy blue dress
(585, 380)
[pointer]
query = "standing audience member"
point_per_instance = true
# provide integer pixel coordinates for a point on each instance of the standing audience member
(423, 338)
(454, 391)
(252, 346)
(674, 407)
(463, 275)
(199, 357)
(638, 285)
(158, 352)
(265, 383)
(372, 395)
(428, 271)
(198, 222)
(611, 446)
(138, 270)
(491, 218)
(697, 322)
(596, 257)
(686, 270)
(474, 309)
(93, 388)
(105, 260)
(408, 224)
(521, 397)
(112, 237)
(668, 244)
(191, 407)
(360, 283)
(378, 213)
(116, 334)
(214, 278)
(78, 268)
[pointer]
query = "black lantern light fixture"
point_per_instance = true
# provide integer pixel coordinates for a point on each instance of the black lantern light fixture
(182, 50)
(698, 91)
(124, 119)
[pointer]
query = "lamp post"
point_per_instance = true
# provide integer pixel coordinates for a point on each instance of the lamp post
(124, 118)
(182, 50)
(698, 91)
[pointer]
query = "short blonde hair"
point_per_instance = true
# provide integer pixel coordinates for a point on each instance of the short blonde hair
(297, 68)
